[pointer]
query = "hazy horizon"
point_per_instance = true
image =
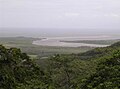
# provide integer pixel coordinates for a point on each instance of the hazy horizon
(59, 18)
(55, 32)
(74, 14)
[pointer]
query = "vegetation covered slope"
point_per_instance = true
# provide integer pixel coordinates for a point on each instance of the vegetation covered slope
(17, 71)
(100, 52)
(101, 70)
(107, 75)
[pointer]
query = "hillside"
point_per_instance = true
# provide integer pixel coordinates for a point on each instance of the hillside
(95, 69)
(100, 52)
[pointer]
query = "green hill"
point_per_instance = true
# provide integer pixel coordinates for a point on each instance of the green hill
(95, 69)
(100, 52)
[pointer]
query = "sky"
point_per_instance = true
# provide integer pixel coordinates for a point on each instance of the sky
(92, 15)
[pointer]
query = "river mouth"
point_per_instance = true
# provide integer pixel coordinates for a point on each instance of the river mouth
(62, 41)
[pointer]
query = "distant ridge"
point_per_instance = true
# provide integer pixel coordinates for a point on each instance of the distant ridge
(100, 52)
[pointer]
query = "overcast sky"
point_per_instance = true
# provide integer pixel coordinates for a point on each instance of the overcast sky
(73, 14)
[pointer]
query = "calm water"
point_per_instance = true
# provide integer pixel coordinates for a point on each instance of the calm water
(56, 41)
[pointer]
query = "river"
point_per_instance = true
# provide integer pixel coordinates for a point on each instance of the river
(56, 41)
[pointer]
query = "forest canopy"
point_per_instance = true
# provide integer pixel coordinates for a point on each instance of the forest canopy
(95, 69)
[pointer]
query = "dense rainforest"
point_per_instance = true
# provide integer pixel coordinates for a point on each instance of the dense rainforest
(95, 69)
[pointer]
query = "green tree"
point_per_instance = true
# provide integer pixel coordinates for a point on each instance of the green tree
(18, 71)
(107, 74)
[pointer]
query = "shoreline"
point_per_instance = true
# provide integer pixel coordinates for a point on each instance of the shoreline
(56, 41)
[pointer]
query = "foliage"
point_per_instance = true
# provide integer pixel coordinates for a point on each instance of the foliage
(17, 69)
(107, 75)
(95, 69)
